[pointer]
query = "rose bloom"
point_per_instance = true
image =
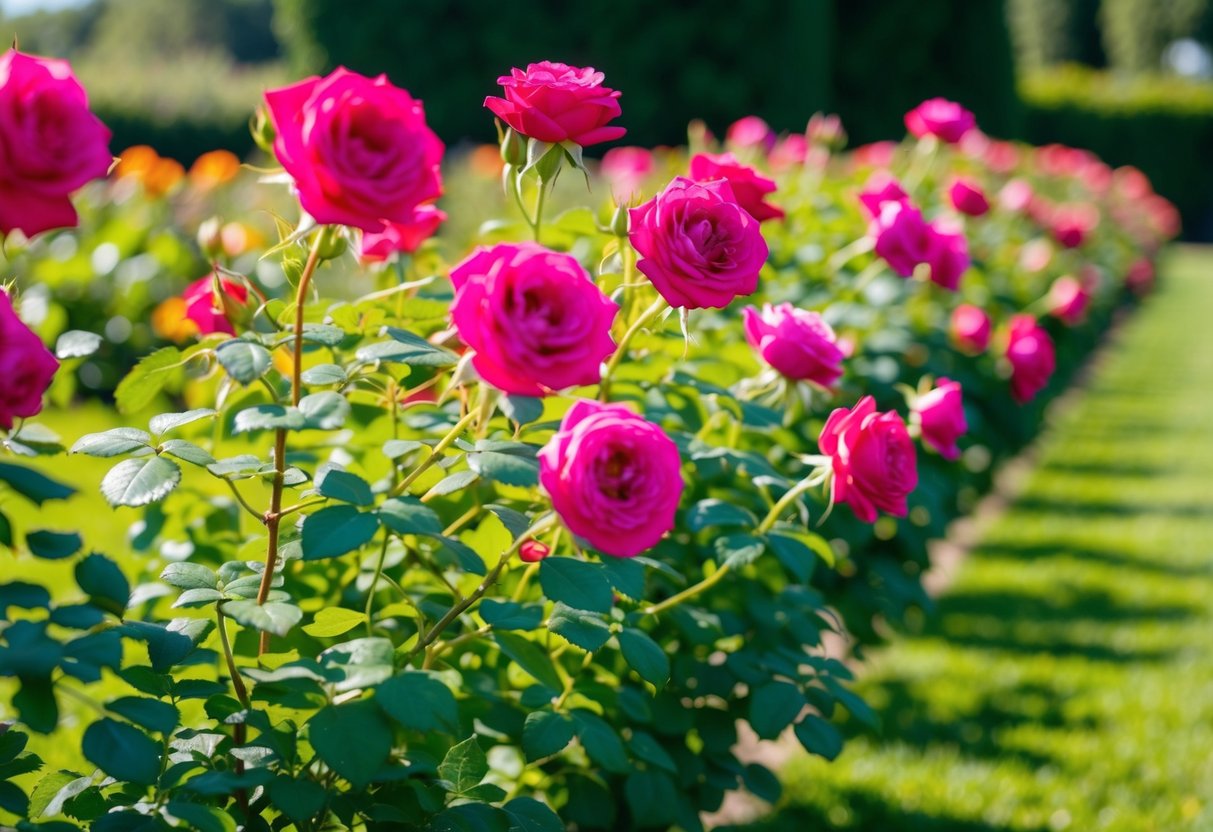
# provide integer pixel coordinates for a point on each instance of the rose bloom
(614, 478)
(700, 248)
(1002, 157)
(874, 155)
(903, 238)
(533, 316)
(1069, 299)
(50, 143)
(750, 131)
(1016, 196)
(950, 259)
(1140, 277)
(946, 120)
(881, 188)
(968, 198)
(874, 462)
(970, 328)
(1070, 224)
(208, 311)
(405, 238)
(626, 168)
(797, 343)
(791, 151)
(750, 188)
(940, 413)
(358, 149)
(555, 102)
(26, 367)
(1030, 351)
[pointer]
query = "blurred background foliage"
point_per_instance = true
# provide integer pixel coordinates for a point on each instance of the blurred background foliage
(1128, 79)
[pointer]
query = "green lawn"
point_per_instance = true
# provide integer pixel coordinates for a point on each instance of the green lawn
(1066, 679)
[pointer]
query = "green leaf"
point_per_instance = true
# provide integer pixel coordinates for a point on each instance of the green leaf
(529, 815)
(142, 384)
(585, 629)
(342, 485)
(6, 531)
(36, 705)
(652, 796)
(515, 522)
(510, 615)
(645, 747)
(324, 411)
(243, 360)
(737, 550)
(796, 557)
(268, 417)
(707, 513)
(164, 422)
(112, 442)
(521, 409)
(773, 707)
(33, 485)
(122, 751)
(151, 714)
(168, 644)
(48, 790)
(361, 662)
(201, 817)
(137, 482)
(408, 515)
(299, 800)
(200, 597)
(407, 348)
(76, 343)
(323, 374)
(13, 800)
(187, 451)
(530, 657)
(819, 737)
(275, 617)
(545, 733)
(418, 700)
(353, 739)
(576, 583)
(236, 466)
(464, 765)
(601, 742)
(102, 580)
(396, 448)
(645, 656)
(185, 575)
(626, 575)
(53, 545)
(24, 595)
(326, 335)
(335, 530)
(762, 783)
(452, 483)
(333, 621)
(509, 469)
(12, 743)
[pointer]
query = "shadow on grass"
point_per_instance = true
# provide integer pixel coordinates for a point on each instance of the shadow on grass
(1151, 564)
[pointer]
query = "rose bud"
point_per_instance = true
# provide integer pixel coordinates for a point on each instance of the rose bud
(946, 120)
(208, 310)
(968, 198)
(970, 328)
(1030, 351)
(532, 551)
(1068, 300)
(941, 417)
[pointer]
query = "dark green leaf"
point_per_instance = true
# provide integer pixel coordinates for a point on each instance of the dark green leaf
(576, 583)
(652, 796)
(139, 388)
(342, 485)
(299, 800)
(546, 733)
(515, 522)
(521, 409)
(274, 617)
(762, 783)
(419, 701)
(452, 483)
(706, 513)
(324, 411)
(36, 704)
(505, 468)
(33, 485)
(335, 530)
(773, 707)
(201, 817)
(645, 656)
(102, 580)
(137, 482)
(361, 662)
(353, 739)
(510, 615)
(529, 815)
(737, 550)
(122, 751)
(185, 575)
(410, 349)
(6, 531)
(151, 714)
(53, 545)
(585, 629)
(243, 360)
(530, 657)
(464, 765)
(796, 557)
(601, 742)
(819, 737)
(268, 417)
(626, 575)
(168, 644)
(646, 748)
(13, 800)
(112, 442)
(408, 515)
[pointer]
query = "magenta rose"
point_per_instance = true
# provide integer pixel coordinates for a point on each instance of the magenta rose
(797, 343)
(1069, 299)
(554, 102)
(874, 462)
(967, 197)
(946, 120)
(405, 238)
(626, 168)
(750, 131)
(1071, 224)
(50, 143)
(949, 259)
(1140, 276)
(358, 149)
(614, 477)
(1030, 351)
(209, 311)
(880, 189)
(26, 367)
(970, 328)
(533, 316)
(700, 248)
(903, 238)
(941, 416)
(750, 188)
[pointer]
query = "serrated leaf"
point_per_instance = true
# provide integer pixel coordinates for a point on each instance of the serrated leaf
(408, 515)
(707, 513)
(407, 348)
(102, 580)
(200, 817)
(274, 617)
(164, 422)
(111, 442)
(199, 597)
(268, 417)
(585, 629)
(464, 765)
(323, 374)
(510, 615)
(505, 468)
(452, 483)
(344, 486)
(187, 451)
(76, 343)
(299, 800)
(530, 657)
(184, 575)
(33, 485)
(243, 360)
(737, 550)
(326, 410)
(601, 742)
(545, 733)
(645, 656)
(139, 388)
(575, 583)
(137, 482)
(521, 409)
(335, 530)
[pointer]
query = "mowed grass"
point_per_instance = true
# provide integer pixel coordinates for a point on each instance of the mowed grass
(1066, 679)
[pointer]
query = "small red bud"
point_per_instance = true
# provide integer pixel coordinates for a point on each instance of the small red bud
(533, 551)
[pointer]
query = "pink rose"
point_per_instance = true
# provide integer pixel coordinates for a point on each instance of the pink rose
(50, 143)
(946, 120)
(750, 131)
(626, 169)
(1070, 224)
(358, 149)
(1030, 351)
(750, 188)
(1016, 196)
(406, 238)
(1069, 299)
(968, 198)
(700, 248)
(903, 238)
(791, 151)
(940, 413)
(875, 465)
(826, 131)
(797, 343)
(533, 316)
(1140, 277)
(554, 102)
(880, 189)
(950, 259)
(970, 328)
(209, 311)
(26, 367)
(614, 477)
(874, 155)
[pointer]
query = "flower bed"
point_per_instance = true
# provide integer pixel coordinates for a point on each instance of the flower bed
(514, 537)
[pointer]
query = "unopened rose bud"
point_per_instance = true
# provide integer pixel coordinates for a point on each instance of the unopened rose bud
(532, 551)
(332, 243)
(263, 130)
(210, 238)
(513, 148)
(619, 221)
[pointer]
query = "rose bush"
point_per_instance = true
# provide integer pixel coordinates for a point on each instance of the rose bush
(476, 537)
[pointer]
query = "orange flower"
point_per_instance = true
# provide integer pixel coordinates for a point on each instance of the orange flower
(157, 173)
(210, 170)
(485, 161)
(169, 321)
